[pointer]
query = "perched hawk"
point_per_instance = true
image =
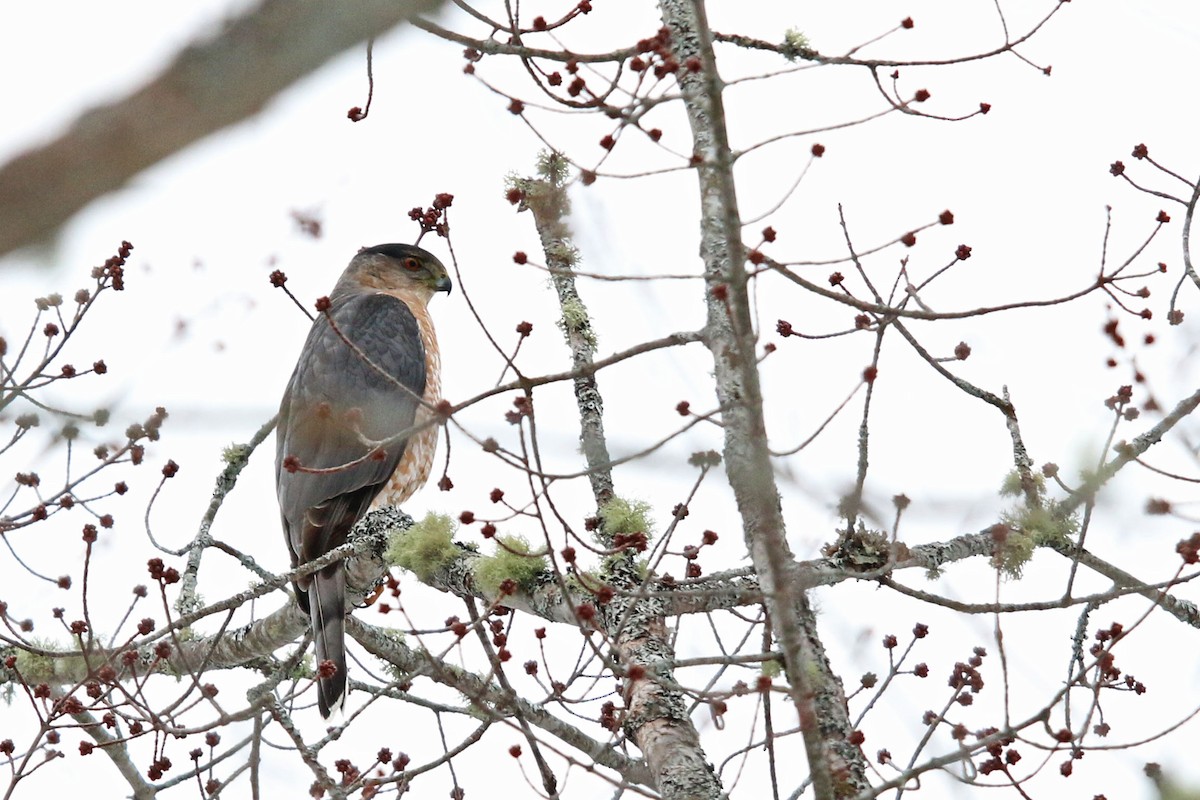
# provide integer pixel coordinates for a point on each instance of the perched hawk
(368, 373)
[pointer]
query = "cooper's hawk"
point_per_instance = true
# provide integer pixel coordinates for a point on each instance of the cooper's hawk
(368, 373)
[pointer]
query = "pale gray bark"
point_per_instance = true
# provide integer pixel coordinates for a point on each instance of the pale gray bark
(116, 752)
(549, 205)
(837, 767)
(655, 716)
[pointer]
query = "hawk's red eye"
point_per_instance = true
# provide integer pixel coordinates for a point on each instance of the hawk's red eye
(411, 264)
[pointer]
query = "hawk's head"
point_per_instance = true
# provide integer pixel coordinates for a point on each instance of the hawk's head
(396, 268)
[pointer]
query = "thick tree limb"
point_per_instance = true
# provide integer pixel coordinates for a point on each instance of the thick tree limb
(209, 85)
(714, 592)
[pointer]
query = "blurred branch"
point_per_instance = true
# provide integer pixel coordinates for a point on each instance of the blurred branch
(1183, 610)
(209, 85)
(490, 47)
(1130, 451)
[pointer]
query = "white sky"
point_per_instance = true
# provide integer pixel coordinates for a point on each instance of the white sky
(201, 331)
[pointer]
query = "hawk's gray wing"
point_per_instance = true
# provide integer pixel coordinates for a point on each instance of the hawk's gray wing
(338, 407)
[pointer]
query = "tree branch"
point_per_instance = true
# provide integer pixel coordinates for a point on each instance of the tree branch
(837, 766)
(656, 715)
(490, 698)
(209, 86)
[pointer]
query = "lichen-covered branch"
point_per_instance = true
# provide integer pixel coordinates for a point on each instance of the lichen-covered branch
(230, 649)
(837, 767)
(547, 199)
(656, 716)
(1183, 610)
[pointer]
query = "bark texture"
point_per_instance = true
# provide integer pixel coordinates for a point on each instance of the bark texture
(655, 715)
(837, 767)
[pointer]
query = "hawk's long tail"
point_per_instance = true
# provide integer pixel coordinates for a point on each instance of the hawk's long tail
(327, 609)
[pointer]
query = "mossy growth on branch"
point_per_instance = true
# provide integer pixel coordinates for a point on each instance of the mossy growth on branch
(614, 562)
(1028, 529)
(235, 453)
(35, 666)
(563, 252)
(1014, 487)
(626, 516)
(552, 172)
(426, 548)
(575, 320)
(796, 45)
(553, 166)
(55, 662)
(304, 669)
(1037, 522)
(513, 560)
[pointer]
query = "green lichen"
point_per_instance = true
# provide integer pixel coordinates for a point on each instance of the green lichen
(1029, 529)
(513, 560)
(1014, 487)
(575, 320)
(796, 45)
(515, 181)
(426, 548)
(305, 668)
(61, 663)
(772, 668)
(552, 166)
(1036, 523)
(562, 253)
(35, 666)
(1011, 556)
(626, 516)
(574, 315)
(235, 453)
